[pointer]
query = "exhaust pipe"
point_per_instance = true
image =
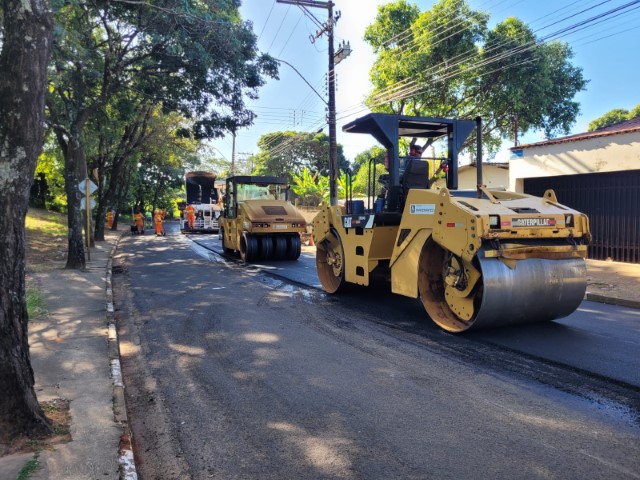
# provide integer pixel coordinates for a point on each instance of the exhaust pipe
(479, 156)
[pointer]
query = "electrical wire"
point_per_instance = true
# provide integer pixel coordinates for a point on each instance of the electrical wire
(410, 88)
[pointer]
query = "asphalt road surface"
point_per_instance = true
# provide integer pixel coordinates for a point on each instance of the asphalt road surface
(599, 338)
(233, 373)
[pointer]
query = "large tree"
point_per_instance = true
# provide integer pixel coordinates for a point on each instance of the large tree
(445, 62)
(26, 42)
(195, 57)
(288, 153)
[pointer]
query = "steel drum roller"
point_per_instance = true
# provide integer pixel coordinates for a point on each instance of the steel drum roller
(535, 290)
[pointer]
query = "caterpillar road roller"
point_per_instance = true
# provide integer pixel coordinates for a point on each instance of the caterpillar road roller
(258, 221)
(475, 258)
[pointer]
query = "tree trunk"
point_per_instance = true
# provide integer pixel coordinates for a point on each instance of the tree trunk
(74, 157)
(25, 52)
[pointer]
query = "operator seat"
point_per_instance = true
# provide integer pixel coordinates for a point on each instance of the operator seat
(415, 175)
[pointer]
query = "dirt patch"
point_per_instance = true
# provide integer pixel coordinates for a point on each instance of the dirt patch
(57, 411)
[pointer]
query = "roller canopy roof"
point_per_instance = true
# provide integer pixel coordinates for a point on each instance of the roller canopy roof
(247, 179)
(386, 128)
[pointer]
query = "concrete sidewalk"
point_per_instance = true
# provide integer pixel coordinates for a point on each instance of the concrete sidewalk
(71, 353)
(613, 282)
(75, 357)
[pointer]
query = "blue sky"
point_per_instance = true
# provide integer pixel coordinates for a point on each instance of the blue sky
(607, 51)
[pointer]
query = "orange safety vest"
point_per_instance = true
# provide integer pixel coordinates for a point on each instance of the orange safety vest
(191, 219)
(110, 218)
(139, 219)
(158, 221)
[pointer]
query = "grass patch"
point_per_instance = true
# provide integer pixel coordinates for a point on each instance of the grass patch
(46, 239)
(29, 468)
(36, 304)
(46, 223)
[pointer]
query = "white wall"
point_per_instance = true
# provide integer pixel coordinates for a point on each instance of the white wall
(601, 154)
(492, 175)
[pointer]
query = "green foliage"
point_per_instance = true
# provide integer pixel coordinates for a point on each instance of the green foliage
(614, 116)
(195, 57)
(391, 22)
(36, 303)
(51, 164)
(30, 468)
(362, 182)
(426, 67)
(118, 67)
(310, 188)
(362, 159)
(285, 154)
(314, 189)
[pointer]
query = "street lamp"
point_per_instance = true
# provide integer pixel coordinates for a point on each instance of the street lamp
(305, 80)
(328, 29)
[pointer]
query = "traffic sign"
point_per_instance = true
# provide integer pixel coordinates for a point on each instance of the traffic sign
(82, 186)
(83, 203)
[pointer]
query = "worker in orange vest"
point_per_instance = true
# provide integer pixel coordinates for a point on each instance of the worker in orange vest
(139, 220)
(110, 218)
(163, 212)
(191, 215)
(157, 218)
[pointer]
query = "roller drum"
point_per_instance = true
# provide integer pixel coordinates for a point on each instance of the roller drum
(535, 290)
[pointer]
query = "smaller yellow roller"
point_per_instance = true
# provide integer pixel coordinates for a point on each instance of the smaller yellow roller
(258, 221)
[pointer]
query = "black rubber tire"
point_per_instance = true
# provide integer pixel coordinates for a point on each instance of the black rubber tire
(279, 247)
(249, 247)
(266, 247)
(294, 247)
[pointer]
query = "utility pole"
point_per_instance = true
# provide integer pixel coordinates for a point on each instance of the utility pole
(333, 145)
(233, 154)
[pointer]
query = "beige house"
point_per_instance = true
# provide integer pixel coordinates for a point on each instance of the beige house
(597, 173)
(609, 149)
(494, 175)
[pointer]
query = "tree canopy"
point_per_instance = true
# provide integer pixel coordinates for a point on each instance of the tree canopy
(446, 62)
(114, 63)
(614, 116)
(288, 153)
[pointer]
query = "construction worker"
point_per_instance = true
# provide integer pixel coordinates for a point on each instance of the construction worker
(138, 218)
(110, 218)
(158, 221)
(191, 215)
(163, 212)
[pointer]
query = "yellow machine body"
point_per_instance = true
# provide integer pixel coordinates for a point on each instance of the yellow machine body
(475, 258)
(258, 222)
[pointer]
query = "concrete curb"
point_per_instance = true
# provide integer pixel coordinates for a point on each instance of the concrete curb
(125, 452)
(622, 302)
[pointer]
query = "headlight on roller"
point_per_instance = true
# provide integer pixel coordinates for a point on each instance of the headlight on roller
(568, 220)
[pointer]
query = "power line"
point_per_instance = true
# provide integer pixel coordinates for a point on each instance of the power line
(408, 87)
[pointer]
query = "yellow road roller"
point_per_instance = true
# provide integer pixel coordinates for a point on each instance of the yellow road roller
(258, 221)
(476, 258)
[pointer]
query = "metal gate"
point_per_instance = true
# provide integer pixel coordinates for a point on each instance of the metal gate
(612, 202)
